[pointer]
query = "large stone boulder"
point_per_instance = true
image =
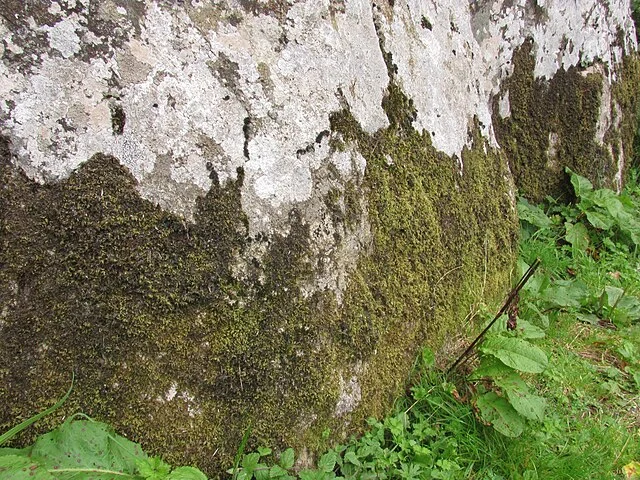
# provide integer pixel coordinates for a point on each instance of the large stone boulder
(256, 212)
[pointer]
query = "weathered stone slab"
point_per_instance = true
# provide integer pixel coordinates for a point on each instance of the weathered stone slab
(231, 213)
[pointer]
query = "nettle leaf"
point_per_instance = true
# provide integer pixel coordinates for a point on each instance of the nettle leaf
(287, 458)
(577, 235)
(499, 413)
(186, 473)
(532, 214)
(87, 445)
(327, 462)
(250, 462)
(528, 405)
(153, 468)
(15, 467)
(516, 353)
(490, 367)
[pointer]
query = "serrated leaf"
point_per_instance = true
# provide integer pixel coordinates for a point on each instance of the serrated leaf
(327, 462)
(287, 458)
(498, 412)
(352, 458)
(186, 473)
(15, 467)
(277, 471)
(516, 353)
(261, 472)
(264, 451)
(250, 462)
(152, 468)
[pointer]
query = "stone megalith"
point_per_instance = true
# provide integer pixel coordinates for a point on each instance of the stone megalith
(227, 213)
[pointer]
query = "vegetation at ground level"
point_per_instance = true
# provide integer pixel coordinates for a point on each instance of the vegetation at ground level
(552, 390)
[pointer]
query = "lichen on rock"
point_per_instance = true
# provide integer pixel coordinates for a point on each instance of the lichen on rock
(256, 213)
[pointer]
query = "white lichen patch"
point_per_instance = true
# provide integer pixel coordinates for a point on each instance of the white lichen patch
(63, 36)
(452, 56)
(350, 393)
(182, 89)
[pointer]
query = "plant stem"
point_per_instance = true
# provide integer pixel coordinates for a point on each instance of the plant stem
(512, 295)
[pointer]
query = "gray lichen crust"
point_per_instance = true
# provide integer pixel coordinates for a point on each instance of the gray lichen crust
(255, 212)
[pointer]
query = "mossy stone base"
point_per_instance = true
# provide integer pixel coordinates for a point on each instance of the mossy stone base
(174, 351)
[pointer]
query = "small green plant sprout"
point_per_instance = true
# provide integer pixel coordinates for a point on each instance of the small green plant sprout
(83, 449)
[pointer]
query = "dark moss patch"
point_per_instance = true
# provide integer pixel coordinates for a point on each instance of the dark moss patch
(626, 93)
(552, 125)
(175, 351)
(118, 119)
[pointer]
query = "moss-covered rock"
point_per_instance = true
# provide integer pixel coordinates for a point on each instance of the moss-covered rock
(173, 350)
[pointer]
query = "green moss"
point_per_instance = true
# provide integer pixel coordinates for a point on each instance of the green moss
(626, 93)
(566, 108)
(174, 351)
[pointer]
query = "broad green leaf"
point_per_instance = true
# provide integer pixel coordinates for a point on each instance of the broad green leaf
(589, 318)
(21, 452)
(577, 235)
(541, 319)
(566, 293)
(327, 462)
(516, 353)
(186, 473)
(528, 405)
(490, 367)
(498, 412)
(88, 445)
(614, 295)
(524, 402)
(287, 458)
(600, 219)
(14, 467)
(581, 185)
(532, 214)
(528, 330)
(630, 306)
